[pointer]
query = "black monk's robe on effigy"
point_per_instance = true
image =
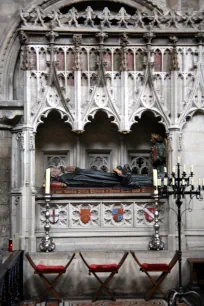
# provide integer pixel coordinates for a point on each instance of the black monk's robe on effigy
(98, 178)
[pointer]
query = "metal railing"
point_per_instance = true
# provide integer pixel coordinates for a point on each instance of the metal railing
(11, 280)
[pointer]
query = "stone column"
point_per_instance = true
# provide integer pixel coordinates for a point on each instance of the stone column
(77, 39)
(5, 172)
(124, 128)
(23, 190)
(174, 140)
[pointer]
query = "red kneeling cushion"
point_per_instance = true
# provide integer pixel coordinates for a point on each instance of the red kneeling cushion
(50, 269)
(103, 268)
(155, 267)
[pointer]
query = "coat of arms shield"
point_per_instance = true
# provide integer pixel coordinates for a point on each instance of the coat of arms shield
(117, 214)
(149, 213)
(85, 215)
(54, 215)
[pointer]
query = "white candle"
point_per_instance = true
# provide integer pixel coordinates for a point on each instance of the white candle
(179, 159)
(173, 181)
(159, 182)
(173, 169)
(165, 170)
(154, 177)
(165, 181)
(191, 168)
(47, 181)
(184, 168)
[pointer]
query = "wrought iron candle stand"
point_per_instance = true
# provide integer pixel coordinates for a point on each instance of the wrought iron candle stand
(179, 186)
(156, 242)
(47, 244)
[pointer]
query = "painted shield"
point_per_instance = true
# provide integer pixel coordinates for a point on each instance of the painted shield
(149, 213)
(85, 215)
(118, 214)
(54, 215)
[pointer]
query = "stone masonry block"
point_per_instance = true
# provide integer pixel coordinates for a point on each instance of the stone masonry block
(4, 214)
(189, 4)
(4, 187)
(5, 163)
(4, 199)
(173, 4)
(5, 152)
(4, 175)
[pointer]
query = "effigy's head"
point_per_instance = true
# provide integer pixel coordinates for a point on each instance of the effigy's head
(156, 138)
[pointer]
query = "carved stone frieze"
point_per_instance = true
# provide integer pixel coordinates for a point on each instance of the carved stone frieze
(105, 16)
(145, 214)
(118, 215)
(72, 17)
(36, 17)
(33, 17)
(89, 16)
(58, 216)
(85, 215)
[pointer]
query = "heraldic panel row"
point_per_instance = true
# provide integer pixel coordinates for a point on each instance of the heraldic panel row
(100, 214)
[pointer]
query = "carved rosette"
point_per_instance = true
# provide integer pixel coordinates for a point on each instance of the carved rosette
(58, 216)
(118, 215)
(85, 215)
(145, 214)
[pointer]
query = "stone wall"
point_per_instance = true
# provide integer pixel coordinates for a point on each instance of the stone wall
(5, 167)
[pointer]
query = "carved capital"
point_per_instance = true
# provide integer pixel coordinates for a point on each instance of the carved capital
(200, 38)
(77, 40)
(124, 40)
(24, 39)
(173, 40)
(149, 36)
(101, 37)
(52, 35)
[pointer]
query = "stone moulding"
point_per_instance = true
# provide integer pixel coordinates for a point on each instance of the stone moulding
(36, 18)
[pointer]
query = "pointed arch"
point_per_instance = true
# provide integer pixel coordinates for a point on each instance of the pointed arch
(39, 119)
(155, 112)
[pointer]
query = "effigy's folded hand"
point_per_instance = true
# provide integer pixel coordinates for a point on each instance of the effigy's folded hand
(118, 172)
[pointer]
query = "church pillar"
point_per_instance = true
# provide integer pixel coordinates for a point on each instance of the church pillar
(23, 166)
(77, 39)
(124, 128)
(174, 146)
(23, 190)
